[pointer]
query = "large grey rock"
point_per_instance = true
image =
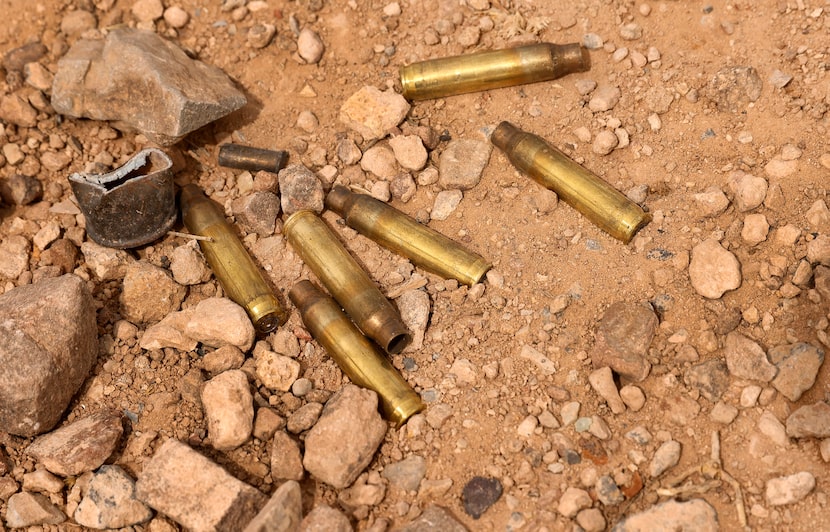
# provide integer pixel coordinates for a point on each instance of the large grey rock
(340, 446)
(142, 82)
(324, 518)
(810, 421)
(48, 344)
(282, 513)
(746, 359)
(696, 514)
(462, 163)
(623, 338)
(149, 293)
(195, 492)
(81, 446)
(31, 509)
(798, 365)
(110, 501)
(435, 518)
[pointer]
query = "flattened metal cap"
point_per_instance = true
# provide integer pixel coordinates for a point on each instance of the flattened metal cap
(131, 206)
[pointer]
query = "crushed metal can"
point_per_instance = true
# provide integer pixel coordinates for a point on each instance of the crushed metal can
(130, 206)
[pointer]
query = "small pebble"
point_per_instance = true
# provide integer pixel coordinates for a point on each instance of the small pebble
(176, 17)
(604, 142)
(479, 494)
(309, 46)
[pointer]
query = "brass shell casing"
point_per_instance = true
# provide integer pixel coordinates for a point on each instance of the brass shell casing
(251, 158)
(480, 71)
(231, 263)
(358, 357)
(398, 232)
(576, 185)
(343, 277)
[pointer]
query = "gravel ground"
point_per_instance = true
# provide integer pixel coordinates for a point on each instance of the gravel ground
(584, 384)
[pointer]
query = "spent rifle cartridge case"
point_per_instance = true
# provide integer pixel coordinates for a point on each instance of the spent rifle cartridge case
(398, 232)
(231, 263)
(343, 277)
(480, 71)
(251, 159)
(358, 357)
(576, 185)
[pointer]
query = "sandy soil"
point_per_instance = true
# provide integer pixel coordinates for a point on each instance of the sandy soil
(540, 256)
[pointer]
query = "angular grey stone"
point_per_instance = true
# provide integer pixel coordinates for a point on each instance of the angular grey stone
(434, 518)
(300, 189)
(324, 518)
(15, 59)
(361, 495)
(406, 474)
(696, 514)
(414, 308)
(667, 456)
(286, 458)
(31, 509)
(373, 113)
(818, 250)
(229, 409)
(257, 212)
(15, 110)
(143, 82)
(746, 359)
(81, 446)
(608, 492)
(710, 377)
(789, 489)
(48, 345)
(14, 256)
(798, 365)
(462, 162)
(336, 452)
(810, 421)
(711, 202)
(604, 98)
(218, 321)
(149, 293)
(623, 338)
(445, 204)
(713, 269)
(304, 417)
(105, 263)
(282, 513)
(110, 501)
(733, 88)
(195, 492)
(20, 189)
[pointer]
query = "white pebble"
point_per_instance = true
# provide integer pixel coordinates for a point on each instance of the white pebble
(392, 10)
(605, 142)
(310, 46)
(176, 17)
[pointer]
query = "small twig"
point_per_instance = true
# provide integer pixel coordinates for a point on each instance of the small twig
(190, 236)
(739, 496)
(689, 489)
(413, 283)
(714, 472)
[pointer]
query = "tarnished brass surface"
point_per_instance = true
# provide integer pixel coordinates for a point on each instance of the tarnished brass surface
(343, 277)
(480, 71)
(395, 230)
(576, 185)
(359, 358)
(231, 263)
(131, 206)
(251, 158)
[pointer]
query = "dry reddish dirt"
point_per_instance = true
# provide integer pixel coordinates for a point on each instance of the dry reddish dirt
(539, 255)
